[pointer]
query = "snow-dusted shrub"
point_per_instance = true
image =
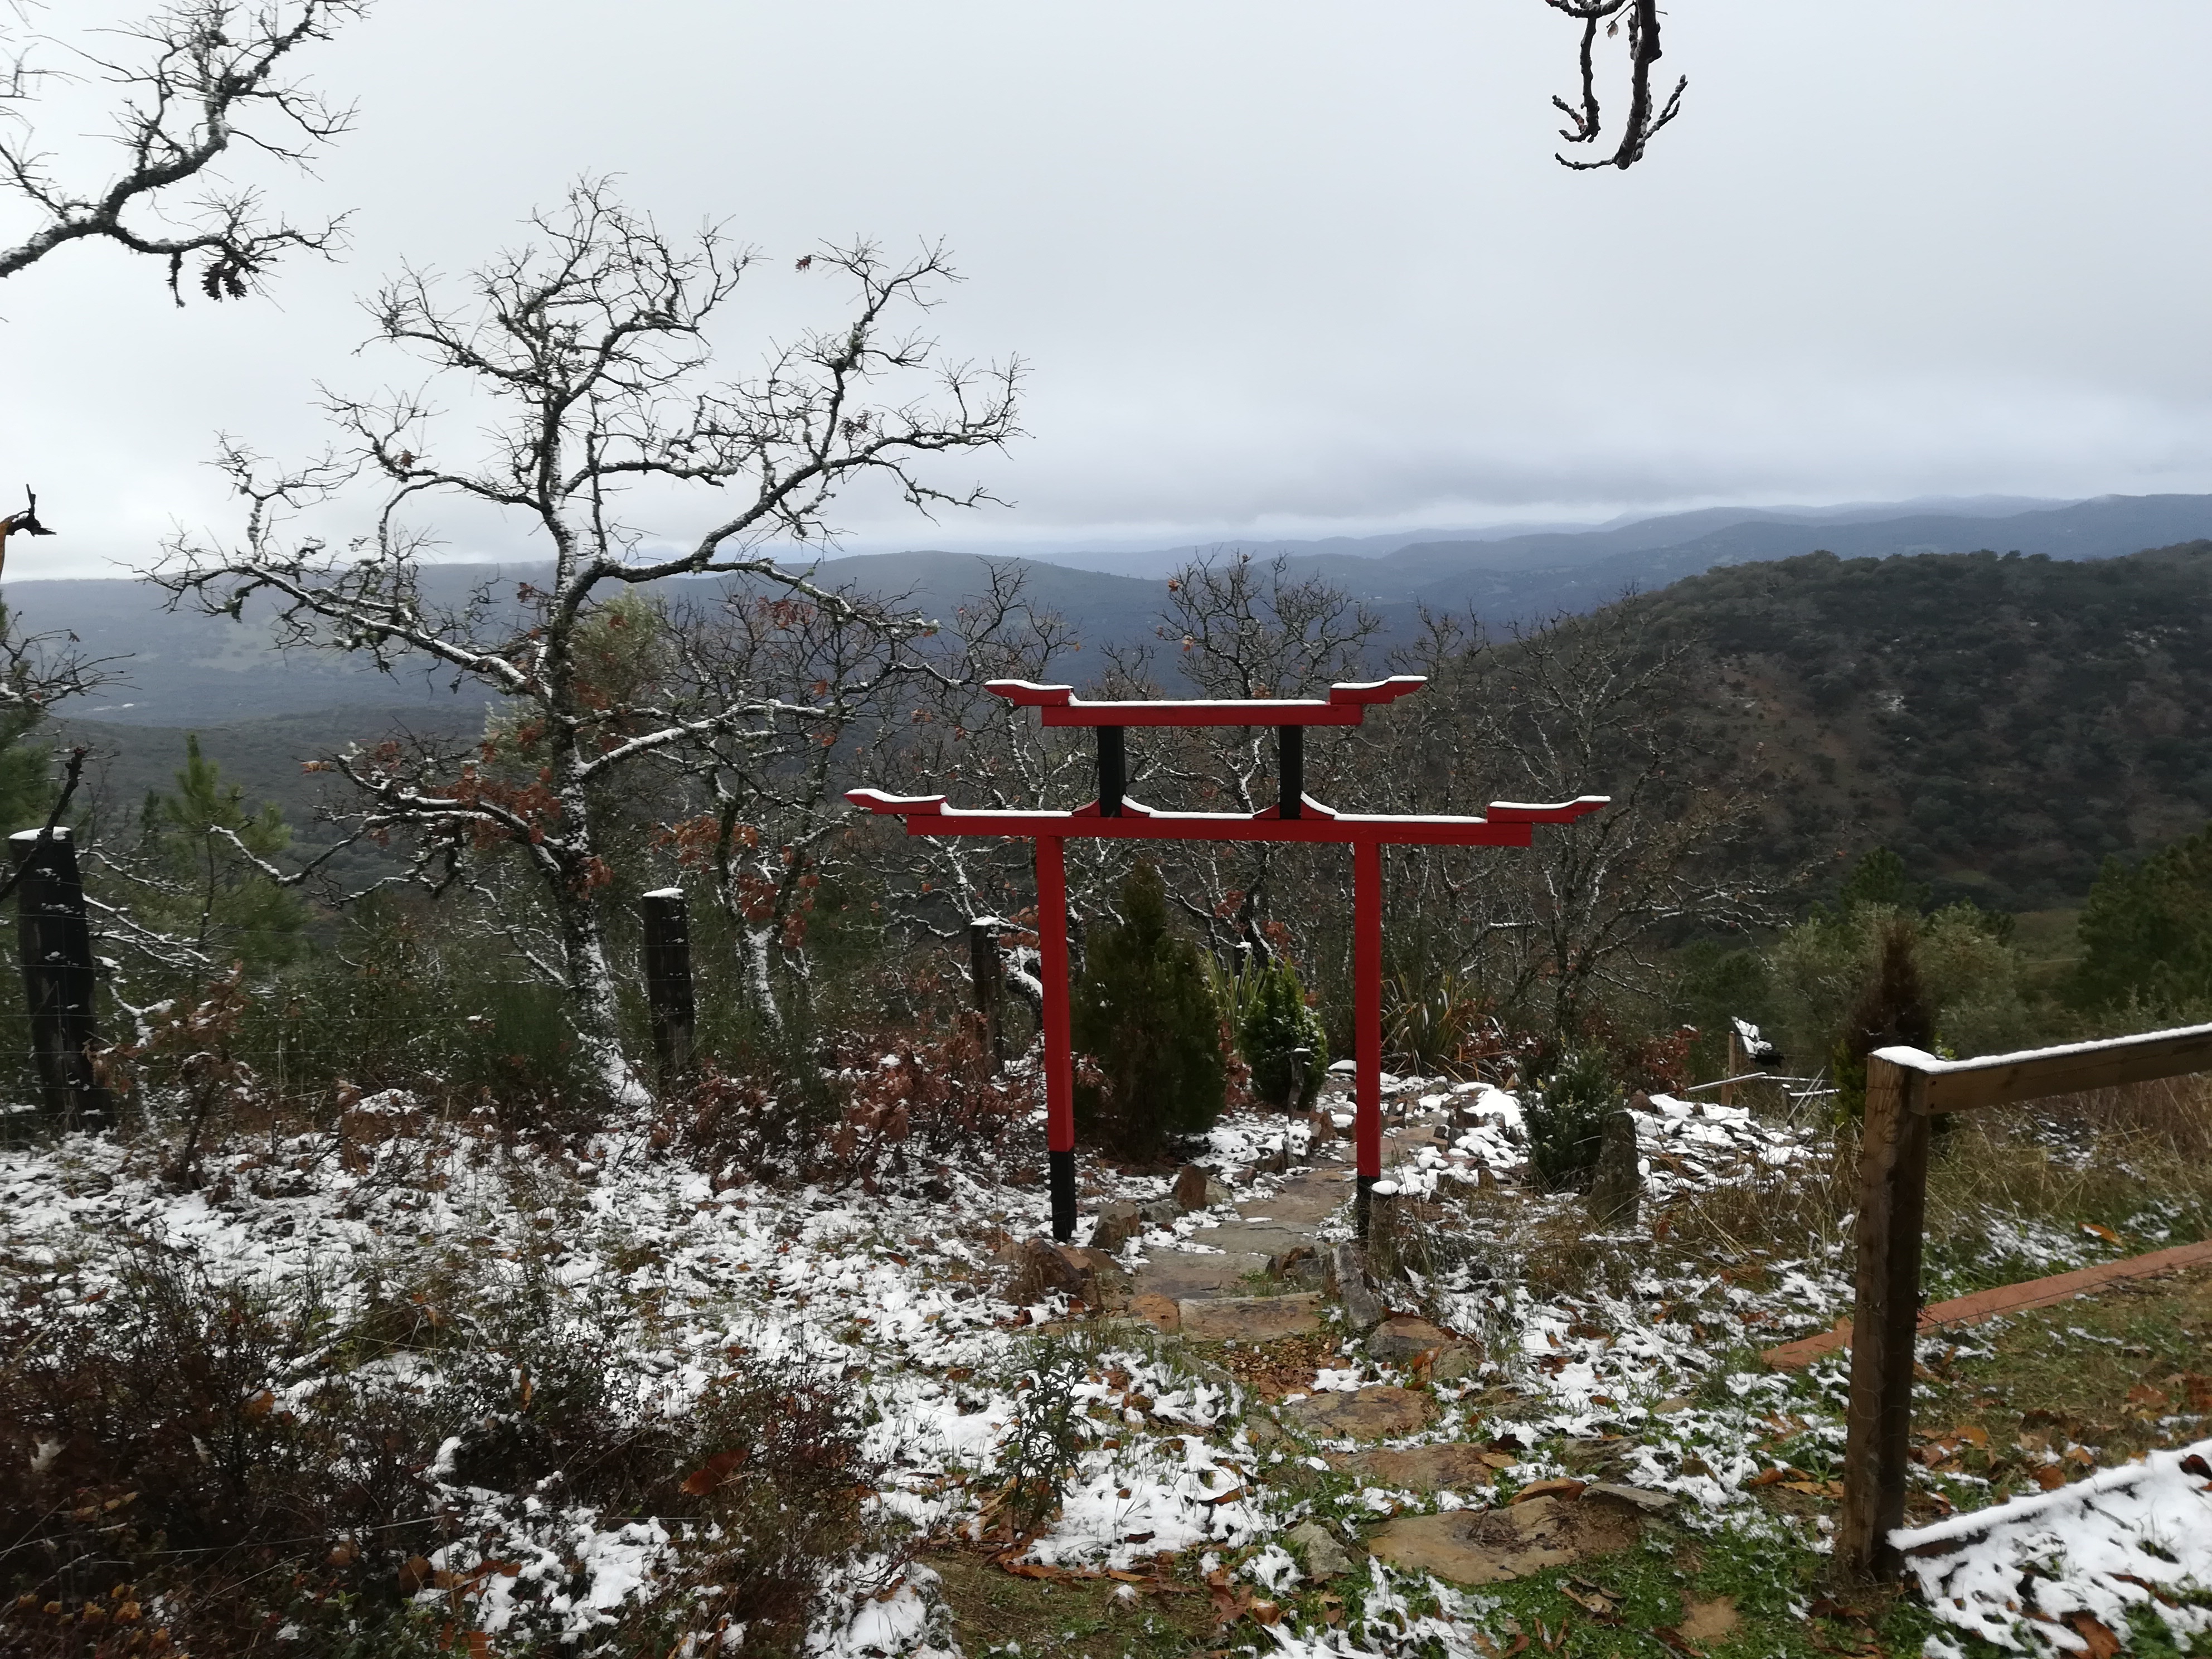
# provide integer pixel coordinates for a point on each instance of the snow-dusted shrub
(893, 1100)
(1144, 1012)
(1567, 1120)
(1273, 1024)
(183, 1454)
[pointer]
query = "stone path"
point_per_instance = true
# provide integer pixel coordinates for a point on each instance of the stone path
(1264, 1229)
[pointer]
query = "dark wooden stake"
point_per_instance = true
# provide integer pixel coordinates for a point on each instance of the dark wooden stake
(60, 979)
(985, 972)
(1893, 1211)
(1289, 770)
(668, 980)
(1113, 771)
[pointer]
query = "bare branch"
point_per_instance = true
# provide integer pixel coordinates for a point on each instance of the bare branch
(203, 77)
(1641, 18)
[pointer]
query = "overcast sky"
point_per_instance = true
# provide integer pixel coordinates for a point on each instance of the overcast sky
(1290, 268)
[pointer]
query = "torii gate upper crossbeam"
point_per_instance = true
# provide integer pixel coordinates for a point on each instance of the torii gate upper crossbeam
(1295, 817)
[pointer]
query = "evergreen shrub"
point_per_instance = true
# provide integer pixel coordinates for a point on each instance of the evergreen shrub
(1144, 1013)
(1567, 1120)
(1273, 1022)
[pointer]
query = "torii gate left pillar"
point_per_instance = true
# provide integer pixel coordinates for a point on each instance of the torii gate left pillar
(1295, 817)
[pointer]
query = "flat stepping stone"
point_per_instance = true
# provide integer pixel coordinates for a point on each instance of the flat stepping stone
(1494, 1546)
(1250, 1318)
(1375, 1413)
(1451, 1467)
(1403, 1336)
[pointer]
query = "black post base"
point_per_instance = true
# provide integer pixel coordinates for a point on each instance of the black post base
(1063, 1196)
(1363, 1204)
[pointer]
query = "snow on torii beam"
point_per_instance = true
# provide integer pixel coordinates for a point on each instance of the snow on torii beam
(1295, 818)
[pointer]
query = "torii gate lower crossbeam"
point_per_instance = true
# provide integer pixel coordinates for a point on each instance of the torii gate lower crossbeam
(1297, 818)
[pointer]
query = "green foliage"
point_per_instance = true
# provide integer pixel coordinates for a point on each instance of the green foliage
(2146, 934)
(2003, 724)
(1880, 878)
(1272, 1023)
(198, 886)
(1974, 982)
(1045, 1439)
(1144, 1011)
(1567, 1120)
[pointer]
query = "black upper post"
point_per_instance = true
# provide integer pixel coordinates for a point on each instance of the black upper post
(1113, 771)
(1290, 768)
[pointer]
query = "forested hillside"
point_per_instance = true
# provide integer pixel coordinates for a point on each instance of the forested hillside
(2003, 722)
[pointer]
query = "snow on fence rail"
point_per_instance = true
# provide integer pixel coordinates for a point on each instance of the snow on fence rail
(1904, 1088)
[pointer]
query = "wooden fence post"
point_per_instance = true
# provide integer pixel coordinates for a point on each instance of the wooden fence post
(60, 979)
(985, 972)
(668, 980)
(1892, 1214)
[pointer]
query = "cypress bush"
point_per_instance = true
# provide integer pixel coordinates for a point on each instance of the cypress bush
(1566, 1122)
(1144, 1013)
(1273, 1022)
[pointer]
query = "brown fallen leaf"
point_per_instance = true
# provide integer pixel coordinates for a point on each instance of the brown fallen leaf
(2099, 1640)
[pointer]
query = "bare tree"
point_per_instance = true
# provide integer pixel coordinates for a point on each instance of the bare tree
(199, 79)
(1580, 705)
(1640, 19)
(591, 348)
(1240, 628)
(953, 738)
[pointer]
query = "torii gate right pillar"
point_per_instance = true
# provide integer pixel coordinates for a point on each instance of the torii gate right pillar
(1367, 1022)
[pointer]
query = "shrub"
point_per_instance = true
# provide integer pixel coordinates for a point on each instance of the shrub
(1272, 1024)
(1044, 1439)
(1891, 1009)
(1566, 1122)
(1144, 1011)
(2146, 934)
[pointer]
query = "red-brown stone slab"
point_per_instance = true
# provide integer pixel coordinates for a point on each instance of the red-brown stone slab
(2005, 1299)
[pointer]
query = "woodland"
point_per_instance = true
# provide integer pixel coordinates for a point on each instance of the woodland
(406, 1265)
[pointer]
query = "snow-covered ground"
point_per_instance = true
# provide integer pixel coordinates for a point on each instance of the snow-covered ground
(899, 1298)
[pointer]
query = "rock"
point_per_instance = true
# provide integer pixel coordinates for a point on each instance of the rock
(1492, 1547)
(1317, 1547)
(1450, 1468)
(1349, 1282)
(1041, 1268)
(1455, 1364)
(1403, 1336)
(1640, 1498)
(1160, 1212)
(1617, 1190)
(1373, 1413)
(1158, 1312)
(1190, 1189)
(1118, 1223)
(1250, 1318)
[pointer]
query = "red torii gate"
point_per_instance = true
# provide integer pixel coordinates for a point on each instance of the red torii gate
(1295, 818)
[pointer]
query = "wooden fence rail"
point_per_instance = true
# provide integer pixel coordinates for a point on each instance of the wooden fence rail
(1905, 1089)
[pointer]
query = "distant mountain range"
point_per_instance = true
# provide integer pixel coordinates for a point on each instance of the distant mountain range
(263, 711)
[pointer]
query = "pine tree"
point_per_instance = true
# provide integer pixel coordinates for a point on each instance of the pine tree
(198, 886)
(1273, 1022)
(2146, 934)
(1144, 1012)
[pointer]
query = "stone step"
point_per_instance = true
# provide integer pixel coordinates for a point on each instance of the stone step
(1250, 1318)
